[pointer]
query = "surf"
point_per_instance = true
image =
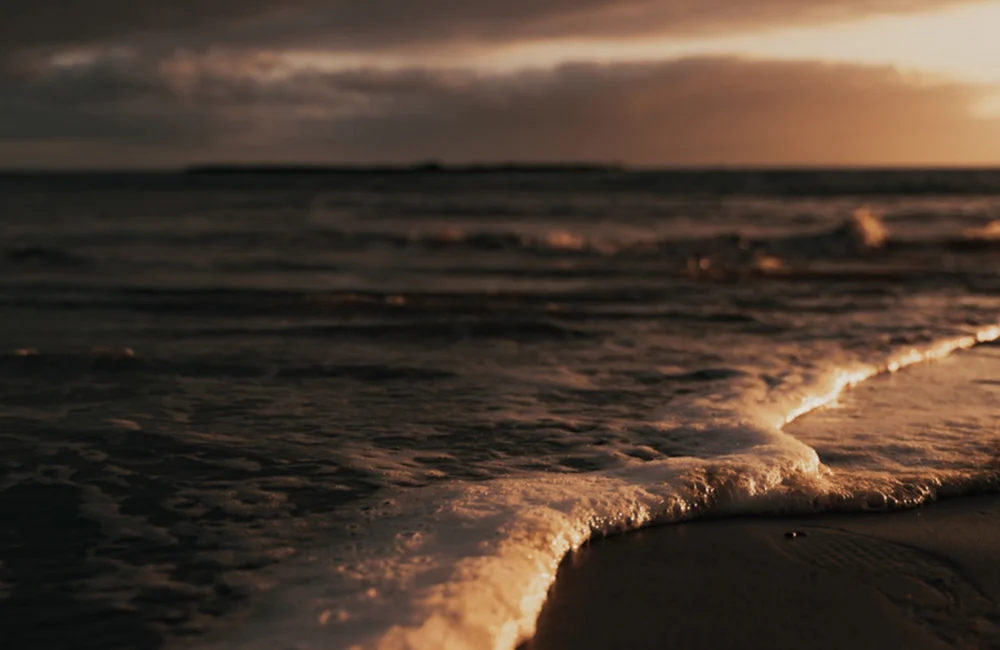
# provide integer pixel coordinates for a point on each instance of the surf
(468, 566)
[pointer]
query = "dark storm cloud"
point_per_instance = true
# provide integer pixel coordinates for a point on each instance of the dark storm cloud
(366, 24)
(700, 111)
(48, 22)
(110, 99)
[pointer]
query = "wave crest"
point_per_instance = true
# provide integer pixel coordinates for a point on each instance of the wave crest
(474, 561)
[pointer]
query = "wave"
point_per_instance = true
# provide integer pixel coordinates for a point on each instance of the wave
(709, 182)
(861, 238)
(45, 257)
(108, 363)
(861, 235)
(468, 566)
(813, 183)
(385, 311)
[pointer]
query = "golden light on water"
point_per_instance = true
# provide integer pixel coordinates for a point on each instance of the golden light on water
(848, 378)
(843, 380)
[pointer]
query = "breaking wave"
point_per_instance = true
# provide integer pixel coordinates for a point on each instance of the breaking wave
(466, 567)
(379, 410)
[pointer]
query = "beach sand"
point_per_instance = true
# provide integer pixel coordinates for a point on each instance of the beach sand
(925, 578)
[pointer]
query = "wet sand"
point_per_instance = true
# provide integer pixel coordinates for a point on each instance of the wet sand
(926, 578)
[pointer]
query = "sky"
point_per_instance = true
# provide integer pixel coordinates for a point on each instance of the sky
(142, 84)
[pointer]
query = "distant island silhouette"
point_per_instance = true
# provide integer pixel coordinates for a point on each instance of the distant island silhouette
(417, 168)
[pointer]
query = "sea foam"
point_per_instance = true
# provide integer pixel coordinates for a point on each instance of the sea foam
(468, 566)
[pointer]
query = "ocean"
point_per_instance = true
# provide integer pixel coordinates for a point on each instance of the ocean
(375, 409)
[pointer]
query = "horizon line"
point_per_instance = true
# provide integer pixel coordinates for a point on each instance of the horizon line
(435, 167)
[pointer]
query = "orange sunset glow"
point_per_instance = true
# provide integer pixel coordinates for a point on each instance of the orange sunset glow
(499, 324)
(666, 82)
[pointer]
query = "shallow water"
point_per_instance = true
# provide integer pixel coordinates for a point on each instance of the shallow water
(378, 409)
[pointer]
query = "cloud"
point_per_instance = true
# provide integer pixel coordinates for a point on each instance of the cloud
(355, 25)
(691, 112)
(107, 100)
(57, 22)
(694, 112)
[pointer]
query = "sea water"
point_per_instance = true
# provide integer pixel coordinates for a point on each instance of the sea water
(376, 410)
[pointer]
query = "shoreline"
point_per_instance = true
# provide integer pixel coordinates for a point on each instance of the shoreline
(922, 578)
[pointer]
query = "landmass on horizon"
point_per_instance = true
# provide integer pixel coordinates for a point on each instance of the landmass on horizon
(568, 167)
(427, 167)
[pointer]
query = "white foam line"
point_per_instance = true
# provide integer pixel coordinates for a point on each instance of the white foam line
(497, 587)
(847, 378)
(516, 579)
